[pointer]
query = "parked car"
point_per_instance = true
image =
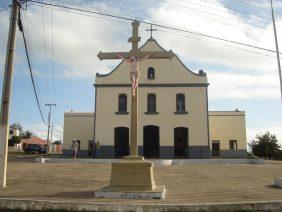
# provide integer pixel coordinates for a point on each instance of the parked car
(35, 148)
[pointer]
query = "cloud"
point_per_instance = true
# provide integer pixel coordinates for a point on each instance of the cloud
(243, 86)
(78, 39)
(249, 75)
(231, 27)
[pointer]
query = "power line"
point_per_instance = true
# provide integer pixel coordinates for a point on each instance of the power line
(234, 9)
(4, 9)
(31, 51)
(97, 9)
(52, 46)
(29, 66)
(88, 15)
(214, 14)
(178, 33)
(158, 25)
(59, 131)
(217, 43)
(263, 19)
(252, 5)
(249, 4)
(44, 45)
(40, 36)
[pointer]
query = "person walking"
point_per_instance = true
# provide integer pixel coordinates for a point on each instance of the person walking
(74, 147)
(97, 149)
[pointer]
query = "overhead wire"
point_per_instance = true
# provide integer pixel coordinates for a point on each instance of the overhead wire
(88, 6)
(249, 4)
(29, 40)
(230, 8)
(158, 25)
(4, 9)
(44, 55)
(52, 46)
(253, 5)
(183, 35)
(266, 21)
(21, 28)
(88, 15)
(217, 43)
(31, 50)
(224, 18)
(48, 47)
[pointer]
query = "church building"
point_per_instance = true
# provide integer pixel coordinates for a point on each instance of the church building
(173, 116)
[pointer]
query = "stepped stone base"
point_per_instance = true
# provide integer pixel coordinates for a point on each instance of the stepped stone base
(108, 192)
(278, 182)
(132, 178)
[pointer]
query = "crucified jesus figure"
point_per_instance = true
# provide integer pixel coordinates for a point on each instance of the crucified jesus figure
(134, 72)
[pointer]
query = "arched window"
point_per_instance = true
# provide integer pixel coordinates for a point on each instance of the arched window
(151, 102)
(151, 73)
(122, 103)
(180, 102)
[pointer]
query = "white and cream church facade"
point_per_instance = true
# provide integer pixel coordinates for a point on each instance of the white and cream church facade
(173, 116)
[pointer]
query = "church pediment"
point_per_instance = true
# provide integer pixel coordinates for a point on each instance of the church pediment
(166, 70)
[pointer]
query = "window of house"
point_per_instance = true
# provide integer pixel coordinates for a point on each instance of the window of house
(122, 103)
(151, 73)
(11, 132)
(233, 144)
(180, 102)
(151, 103)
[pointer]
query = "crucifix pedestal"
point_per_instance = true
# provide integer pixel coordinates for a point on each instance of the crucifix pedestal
(132, 177)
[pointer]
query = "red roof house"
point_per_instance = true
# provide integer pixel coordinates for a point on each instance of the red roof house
(33, 140)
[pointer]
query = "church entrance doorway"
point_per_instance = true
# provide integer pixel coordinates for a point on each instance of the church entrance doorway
(151, 141)
(181, 142)
(121, 142)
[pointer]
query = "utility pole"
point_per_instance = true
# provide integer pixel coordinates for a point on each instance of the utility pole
(52, 127)
(49, 119)
(277, 48)
(5, 102)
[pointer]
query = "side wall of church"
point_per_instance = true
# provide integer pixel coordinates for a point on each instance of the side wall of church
(225, 127)
(80, 126)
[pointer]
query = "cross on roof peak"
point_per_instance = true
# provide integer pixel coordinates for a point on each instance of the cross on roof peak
(151, 29)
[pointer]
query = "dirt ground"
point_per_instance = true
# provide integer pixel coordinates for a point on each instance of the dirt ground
(184, 184)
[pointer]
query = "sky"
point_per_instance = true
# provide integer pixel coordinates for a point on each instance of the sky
(64, 47)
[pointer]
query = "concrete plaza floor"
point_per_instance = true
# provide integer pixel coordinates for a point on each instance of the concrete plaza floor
(184, 184)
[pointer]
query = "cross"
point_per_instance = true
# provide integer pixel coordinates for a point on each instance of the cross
(151, 29)
(135, 52)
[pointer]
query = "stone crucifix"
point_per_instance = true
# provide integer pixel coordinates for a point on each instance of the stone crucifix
(133, 57)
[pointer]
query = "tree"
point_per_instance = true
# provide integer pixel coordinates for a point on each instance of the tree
(27, 134)
(17, 125)
(14, 140)
(57, 142)
(265, 146)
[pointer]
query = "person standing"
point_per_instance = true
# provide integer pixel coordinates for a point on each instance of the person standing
(97, 148)
(94, 149)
